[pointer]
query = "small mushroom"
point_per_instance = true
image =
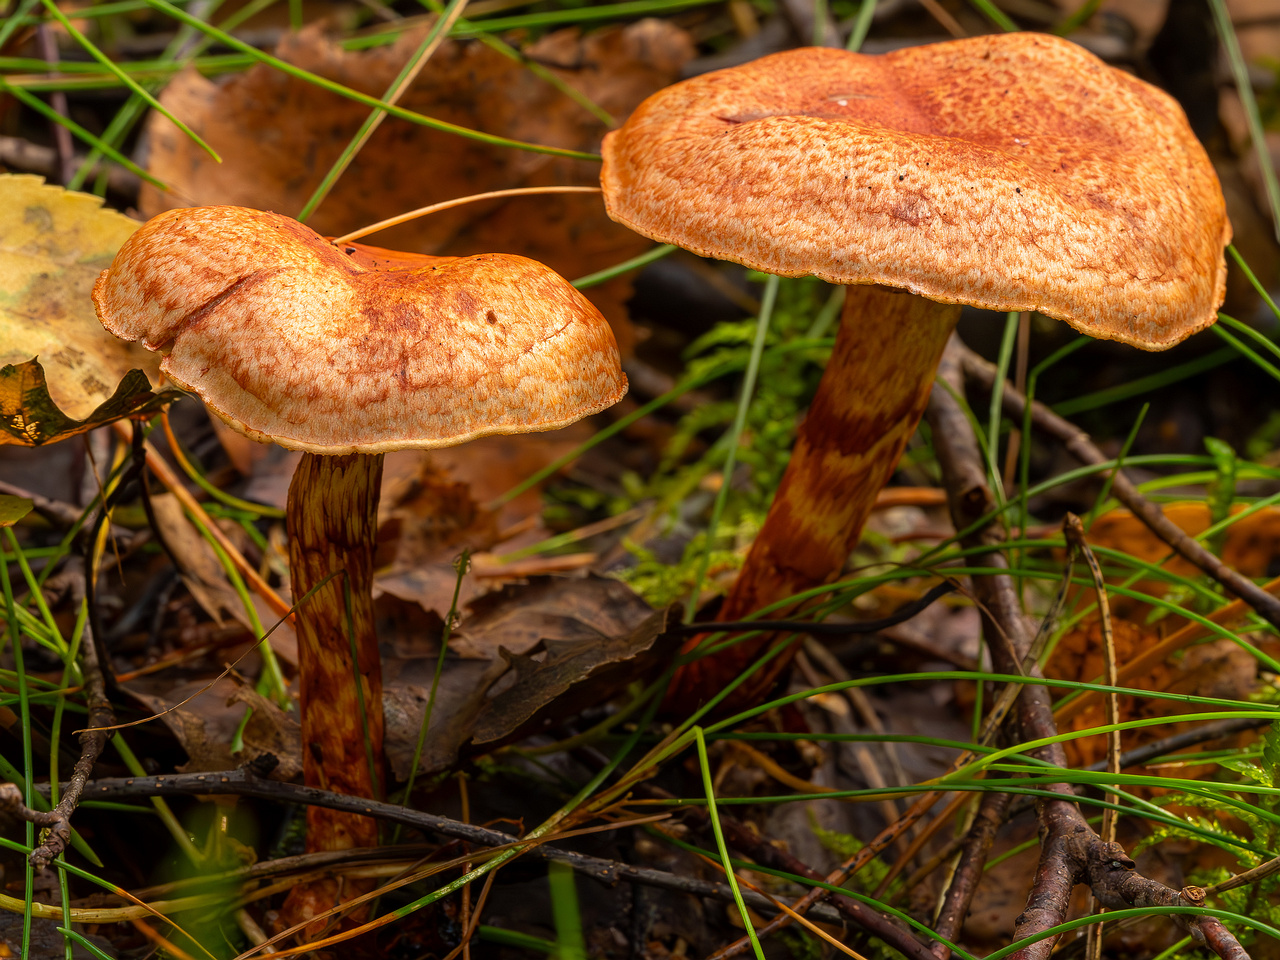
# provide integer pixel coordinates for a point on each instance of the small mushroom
(1009, 172)
(346, 353)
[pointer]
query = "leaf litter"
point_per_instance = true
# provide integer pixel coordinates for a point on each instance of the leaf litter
(251, 117)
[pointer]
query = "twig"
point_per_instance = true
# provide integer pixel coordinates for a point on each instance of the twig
(244, 783)
(964, 882)
(822, 628)
(746, 841)
(1083, 449)
(1071, 852)
(92, 740)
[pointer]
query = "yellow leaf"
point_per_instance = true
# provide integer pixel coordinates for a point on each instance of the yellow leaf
(53, 245)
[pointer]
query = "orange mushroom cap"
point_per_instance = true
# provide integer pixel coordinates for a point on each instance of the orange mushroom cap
(1010, 172)
(295, 341)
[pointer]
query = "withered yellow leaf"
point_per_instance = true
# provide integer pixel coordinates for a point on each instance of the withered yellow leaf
(53, 245)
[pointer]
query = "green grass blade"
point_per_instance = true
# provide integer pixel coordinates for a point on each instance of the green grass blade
(408, 73)
(861, 25)
(1247, 351)
(24, 721)
(497, 45)
(1244, 88)
(570, 942)
(1257, 285)
(739, 422)
(88, 46)
(19, 18)
(995, 15)
(618, 269)
(1261, 338)
(729, 874)
(1101, 398)
(994, 411)
(38, 105)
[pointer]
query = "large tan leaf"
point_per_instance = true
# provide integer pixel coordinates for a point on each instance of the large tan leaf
(53, 245)
(279, 136)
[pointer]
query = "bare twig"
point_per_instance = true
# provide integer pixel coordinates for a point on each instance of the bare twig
(1070, 851)
(1083, 449)
(245, 783)
(964, 883)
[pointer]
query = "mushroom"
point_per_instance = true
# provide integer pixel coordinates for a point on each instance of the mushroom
(1009, 172)
(346, 353)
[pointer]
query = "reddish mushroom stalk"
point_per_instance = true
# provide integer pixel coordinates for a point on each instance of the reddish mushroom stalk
(332, 521)
(847, 448)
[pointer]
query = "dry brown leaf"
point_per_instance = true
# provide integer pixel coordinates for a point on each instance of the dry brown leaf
(1219, 669)
(567, 675)
(280, 135)
(596, 634)
(206, 725)
(1250, 546)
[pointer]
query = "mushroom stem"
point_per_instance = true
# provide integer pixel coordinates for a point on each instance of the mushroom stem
(871, 398)
(332, 519)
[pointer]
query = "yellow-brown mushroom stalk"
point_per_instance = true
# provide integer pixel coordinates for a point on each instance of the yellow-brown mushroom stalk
(346, 353)
(1009, 172)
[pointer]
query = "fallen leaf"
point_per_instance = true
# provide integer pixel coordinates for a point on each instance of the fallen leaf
(596, 634)
(13, 509)
(520, 616)
(29, 416)
(206, 725)
(53, 245)
(1250, 546)
(1218, 669)
(279, 136)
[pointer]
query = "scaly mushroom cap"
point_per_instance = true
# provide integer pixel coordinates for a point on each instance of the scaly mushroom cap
(353, 349)
(1010, 172)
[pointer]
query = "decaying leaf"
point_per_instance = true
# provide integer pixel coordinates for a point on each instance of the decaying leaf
(53, 245)
(29, 415)
(1218, 669)
(573, 674)
(519, 617)
(13, 509)
(206, 725)
(280, 135)
(596, 634)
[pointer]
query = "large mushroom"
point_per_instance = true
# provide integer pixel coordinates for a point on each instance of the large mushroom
(1009, 172)
(346, 353)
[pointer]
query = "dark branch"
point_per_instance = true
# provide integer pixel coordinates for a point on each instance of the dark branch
(901, 615)
(1070, 852)
(244, 783)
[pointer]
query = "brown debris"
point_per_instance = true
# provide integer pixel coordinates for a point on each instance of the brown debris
(279, 135)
